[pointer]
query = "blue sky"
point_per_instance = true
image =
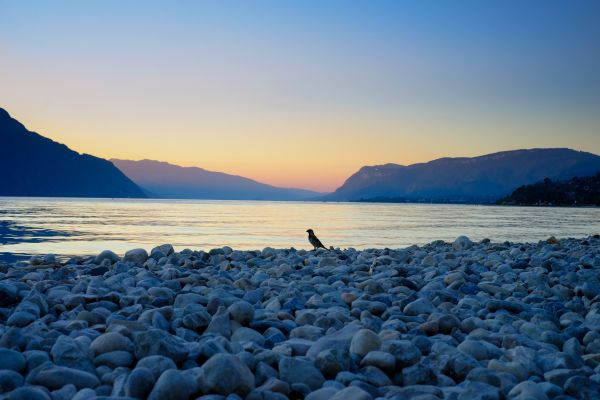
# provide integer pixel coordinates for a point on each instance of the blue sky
(303, 93)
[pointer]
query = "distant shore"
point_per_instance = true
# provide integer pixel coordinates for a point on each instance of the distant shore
(444, 320)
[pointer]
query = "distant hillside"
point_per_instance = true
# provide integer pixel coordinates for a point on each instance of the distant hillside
(161, 179)
(477, 179)
(578, 191)
(33, 165)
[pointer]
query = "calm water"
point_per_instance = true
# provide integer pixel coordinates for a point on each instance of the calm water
(87, 226)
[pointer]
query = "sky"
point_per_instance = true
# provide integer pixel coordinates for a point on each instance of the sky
(303, 93)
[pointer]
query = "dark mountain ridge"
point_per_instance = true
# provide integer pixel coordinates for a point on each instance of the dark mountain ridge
(161, 179)
(465, 179)
(33, 165)
(577, 191)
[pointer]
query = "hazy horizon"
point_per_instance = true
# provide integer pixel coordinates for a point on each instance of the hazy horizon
(302, 94)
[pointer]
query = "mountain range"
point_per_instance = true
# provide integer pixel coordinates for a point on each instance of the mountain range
(161, 179)
(476, 179)
(33, 165)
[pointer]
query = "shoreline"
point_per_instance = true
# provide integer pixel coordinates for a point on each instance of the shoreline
(443, 320)
(183, 199)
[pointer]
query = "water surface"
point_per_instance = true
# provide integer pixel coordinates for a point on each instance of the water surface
(88, 226)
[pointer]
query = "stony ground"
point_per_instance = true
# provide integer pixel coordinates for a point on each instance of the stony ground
(455, 320)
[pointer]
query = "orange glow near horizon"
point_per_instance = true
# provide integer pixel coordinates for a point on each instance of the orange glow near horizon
(320, 160)
(302, 94)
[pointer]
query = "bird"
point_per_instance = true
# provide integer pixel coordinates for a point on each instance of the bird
(315, 240)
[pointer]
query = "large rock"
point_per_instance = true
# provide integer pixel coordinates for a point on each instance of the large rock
(28, 393)
(225, 374)
(11, 359)
(139, 383)
(296, 370)
(338, 340)
(462, 243)
(106, 255)
(170, 386)
(166, 249)
(418, 307)
(156, 365)
(69, 352)
(111, 341)
(9, 295)
(404, 351)
(242, 312)
(364, 341)
(9, 380)
(380, 359)
(158, 342)
(527, 390)
(115, 359)
(325, 393)
(332, 361)
(138, 256)
(55, 377)
(353, 393)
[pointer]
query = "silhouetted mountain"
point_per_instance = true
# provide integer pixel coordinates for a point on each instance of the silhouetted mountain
(578, 191)
(32, 165)
(478, 179)
(161, 179)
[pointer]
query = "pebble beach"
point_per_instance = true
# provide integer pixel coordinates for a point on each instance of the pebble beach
(447, 320)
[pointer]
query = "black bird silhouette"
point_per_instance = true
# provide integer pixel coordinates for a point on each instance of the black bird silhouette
(315, 240)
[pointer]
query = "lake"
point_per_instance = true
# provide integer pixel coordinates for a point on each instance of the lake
(87, 226)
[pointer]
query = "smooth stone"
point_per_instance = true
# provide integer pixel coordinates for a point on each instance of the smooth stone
(69, 352)
(352, 392)
(158, 342)
(527, 390)
(418, 374)
(111, 341)
(478, 349)
(166, 249)
(67, 392)
(85, 394)
(115, 359)
(244, 334)
(364, 341)
(225, 373)
(28, 393)
(582, 387)
(138, 256)
(479, 391)
(106, 255)
(382, 360)
(35, 358)
(156, 365)
(11, 359)
(462, 243)
(418, 307)
(241, 312)
(9, 380)
(296, 370)
(404, 351)
(325, 393)
(338, 340)
(332, 361)
(170, 386)
(21, 319)
(560, 376)
(55, 377)
(139, 383)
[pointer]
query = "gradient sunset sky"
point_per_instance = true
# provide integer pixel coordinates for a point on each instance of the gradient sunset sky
(303, 93)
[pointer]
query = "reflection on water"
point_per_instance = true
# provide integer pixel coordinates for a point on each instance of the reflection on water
(88, 226)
